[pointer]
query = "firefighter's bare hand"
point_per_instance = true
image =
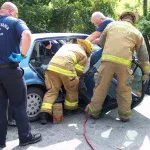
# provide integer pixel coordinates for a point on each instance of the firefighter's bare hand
(145, 77)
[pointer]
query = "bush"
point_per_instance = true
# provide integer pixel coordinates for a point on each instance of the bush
(144, 25)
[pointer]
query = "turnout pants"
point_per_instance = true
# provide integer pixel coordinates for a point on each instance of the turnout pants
(54, 82)
(102, 82)
(13, 88)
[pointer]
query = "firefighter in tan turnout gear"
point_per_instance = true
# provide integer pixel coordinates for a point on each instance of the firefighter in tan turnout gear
(119, 41)
(63, 69)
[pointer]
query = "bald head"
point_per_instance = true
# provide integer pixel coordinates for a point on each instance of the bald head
(9, 6)
(10, 9)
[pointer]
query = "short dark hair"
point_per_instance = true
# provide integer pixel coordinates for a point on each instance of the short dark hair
(45, 43)
(128, 16)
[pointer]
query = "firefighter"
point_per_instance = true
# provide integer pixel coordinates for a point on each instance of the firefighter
(63, 69)
(119, 41)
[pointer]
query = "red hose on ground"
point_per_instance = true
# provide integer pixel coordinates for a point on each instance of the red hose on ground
(86, 138)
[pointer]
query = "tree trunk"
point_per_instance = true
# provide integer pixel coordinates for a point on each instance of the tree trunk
(145, 7)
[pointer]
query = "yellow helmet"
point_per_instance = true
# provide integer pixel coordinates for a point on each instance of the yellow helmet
(86, 43)
(133, 14)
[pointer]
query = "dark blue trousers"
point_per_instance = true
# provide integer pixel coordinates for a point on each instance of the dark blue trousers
(13, 90)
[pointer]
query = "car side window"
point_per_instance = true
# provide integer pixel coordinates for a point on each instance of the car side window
(45, 49)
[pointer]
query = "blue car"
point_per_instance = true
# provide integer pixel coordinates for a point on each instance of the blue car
(35, 64)
(38, 58)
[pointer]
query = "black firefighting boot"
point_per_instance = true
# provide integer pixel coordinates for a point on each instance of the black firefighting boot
(44, 118)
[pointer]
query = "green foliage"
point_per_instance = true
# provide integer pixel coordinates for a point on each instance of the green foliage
(75, 14)
(137, 6)
(144, 25)
(35, 13)
(62, 15)
(33, 2)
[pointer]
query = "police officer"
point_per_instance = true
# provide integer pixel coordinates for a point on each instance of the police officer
(12, 84)
(63, 69)
(119, 40)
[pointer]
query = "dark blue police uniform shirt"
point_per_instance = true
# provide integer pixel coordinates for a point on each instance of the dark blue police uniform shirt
(104, 24)
(10, 37)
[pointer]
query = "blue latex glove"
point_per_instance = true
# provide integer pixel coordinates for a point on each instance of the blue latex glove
(16, 57)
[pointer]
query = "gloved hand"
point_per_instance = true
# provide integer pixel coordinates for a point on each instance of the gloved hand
(16, 57)
(129, 80)
(82, 87)
(145, 77)
(97, 79)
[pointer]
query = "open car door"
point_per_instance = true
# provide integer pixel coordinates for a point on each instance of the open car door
(147, 86)
(138, 88)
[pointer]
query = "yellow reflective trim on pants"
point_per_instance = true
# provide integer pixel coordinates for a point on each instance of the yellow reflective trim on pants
(67, 103)
(79, 67)
(62, 71)
(124, 113)
(46, 106)
(116, 59)
(92, 111)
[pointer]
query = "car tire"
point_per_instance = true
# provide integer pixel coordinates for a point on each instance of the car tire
(34, 101)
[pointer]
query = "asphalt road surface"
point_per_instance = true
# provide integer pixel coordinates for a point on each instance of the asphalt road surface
(106, 133)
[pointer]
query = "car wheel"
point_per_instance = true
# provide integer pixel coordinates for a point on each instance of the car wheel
(34, 101)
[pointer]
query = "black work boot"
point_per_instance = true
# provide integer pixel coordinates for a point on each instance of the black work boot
(44, 118)
(34, 139)
(12, 122)
(2, 146)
